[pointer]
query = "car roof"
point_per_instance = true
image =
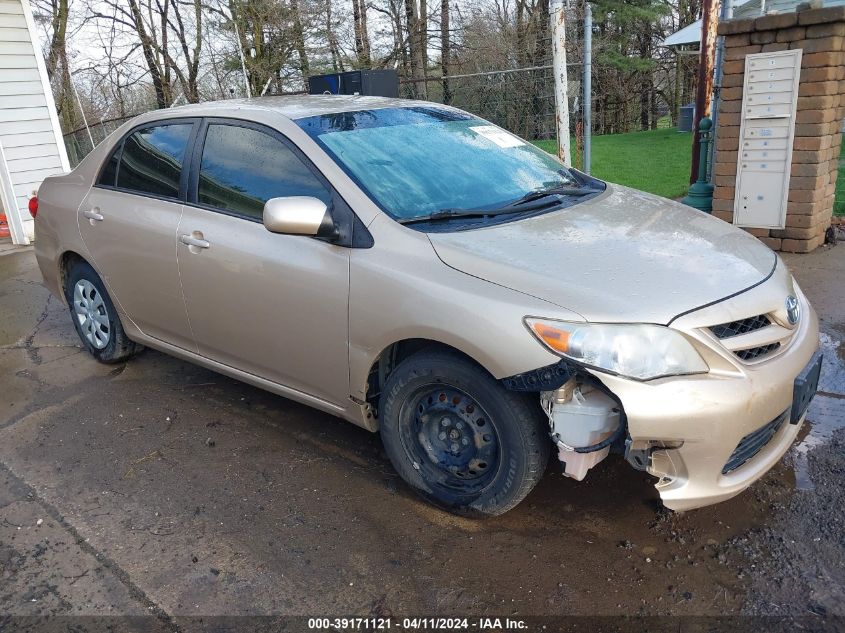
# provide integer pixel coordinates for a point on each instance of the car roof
(294, 106)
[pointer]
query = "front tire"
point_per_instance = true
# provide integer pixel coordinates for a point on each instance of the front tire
(459, 438)
(94, 316)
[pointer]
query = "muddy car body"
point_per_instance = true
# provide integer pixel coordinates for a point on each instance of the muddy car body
(356, 278)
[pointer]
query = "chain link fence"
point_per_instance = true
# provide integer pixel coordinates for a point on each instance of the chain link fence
(80, 142)
(521, 100)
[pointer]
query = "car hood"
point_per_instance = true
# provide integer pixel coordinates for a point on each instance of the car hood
(624, 256)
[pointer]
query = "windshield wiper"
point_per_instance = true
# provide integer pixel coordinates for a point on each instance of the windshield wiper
(520, 206)
(554, 191)
(450, 214)
(531, 201)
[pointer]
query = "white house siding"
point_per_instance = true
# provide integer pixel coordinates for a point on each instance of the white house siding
(31, 145)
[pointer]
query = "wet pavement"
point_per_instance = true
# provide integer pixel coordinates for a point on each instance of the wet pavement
(160, 488)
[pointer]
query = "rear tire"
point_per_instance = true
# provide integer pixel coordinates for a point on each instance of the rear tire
(459, 438)
(94, 316)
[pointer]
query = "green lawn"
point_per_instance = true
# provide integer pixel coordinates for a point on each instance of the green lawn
(839, 201)
(657, 161)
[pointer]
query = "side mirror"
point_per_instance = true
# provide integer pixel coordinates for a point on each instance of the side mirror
(298, 215)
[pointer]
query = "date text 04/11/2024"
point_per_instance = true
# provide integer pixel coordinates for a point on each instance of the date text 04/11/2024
(419, 624)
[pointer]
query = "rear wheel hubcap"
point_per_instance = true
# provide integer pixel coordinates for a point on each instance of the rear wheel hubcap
(89, 308)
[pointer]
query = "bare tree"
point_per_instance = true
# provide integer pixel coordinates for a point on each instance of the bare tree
(130, 16)
(146, 52)
(394, 12)
(422, 36)
(445, 50)
(267, 34)
(415, 45)
(188, 79)
(299, 40)
(362, 36)
(331, 36)
(58, 69)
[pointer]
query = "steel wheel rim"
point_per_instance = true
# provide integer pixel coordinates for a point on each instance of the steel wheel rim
(451, 438)
(91, 315)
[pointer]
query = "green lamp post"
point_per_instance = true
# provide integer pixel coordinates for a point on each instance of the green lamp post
(700, 195)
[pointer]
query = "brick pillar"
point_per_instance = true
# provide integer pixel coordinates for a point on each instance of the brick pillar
(818, 124)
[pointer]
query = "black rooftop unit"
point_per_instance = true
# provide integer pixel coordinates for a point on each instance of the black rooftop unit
(373, 83)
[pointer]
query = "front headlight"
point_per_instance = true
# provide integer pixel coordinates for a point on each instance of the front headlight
(636, 351)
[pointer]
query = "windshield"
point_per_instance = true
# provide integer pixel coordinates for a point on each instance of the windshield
(420, 161)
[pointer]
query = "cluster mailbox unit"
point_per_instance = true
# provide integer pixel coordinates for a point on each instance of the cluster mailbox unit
(767, 127)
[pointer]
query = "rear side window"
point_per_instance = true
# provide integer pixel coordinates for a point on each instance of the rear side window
(109, 173)
(242, 168)
(152, 159)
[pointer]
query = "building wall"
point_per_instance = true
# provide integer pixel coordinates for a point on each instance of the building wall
(818, 124)
(756, 8)
(30, 136)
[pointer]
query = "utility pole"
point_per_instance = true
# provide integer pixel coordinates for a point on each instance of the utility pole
(725, 13)
(84, 118)
(557, 13)
(706, 60)
(588, 85)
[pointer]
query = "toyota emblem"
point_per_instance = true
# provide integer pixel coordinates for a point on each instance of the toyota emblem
(793, 310)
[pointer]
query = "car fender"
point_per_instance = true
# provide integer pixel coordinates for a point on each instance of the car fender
(400, 290)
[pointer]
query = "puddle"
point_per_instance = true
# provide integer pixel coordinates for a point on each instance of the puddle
(827, 410)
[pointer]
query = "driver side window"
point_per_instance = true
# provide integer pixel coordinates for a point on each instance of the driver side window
(241, 168)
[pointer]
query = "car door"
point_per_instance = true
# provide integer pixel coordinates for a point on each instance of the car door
(128, 222)
(268, 304)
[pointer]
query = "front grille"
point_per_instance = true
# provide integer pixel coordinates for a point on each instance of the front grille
(753, 353)
(753, 443)
(742, 326)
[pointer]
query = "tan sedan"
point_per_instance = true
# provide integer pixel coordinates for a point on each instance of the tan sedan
(425, 274)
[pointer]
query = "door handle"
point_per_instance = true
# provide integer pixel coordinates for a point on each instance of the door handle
(190, 240)
(94, 215)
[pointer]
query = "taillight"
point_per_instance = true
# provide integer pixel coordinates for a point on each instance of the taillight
(33, 206)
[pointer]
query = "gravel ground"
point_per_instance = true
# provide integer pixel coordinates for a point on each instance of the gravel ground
(796, 562)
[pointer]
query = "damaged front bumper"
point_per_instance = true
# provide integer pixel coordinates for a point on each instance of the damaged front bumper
(708, 437)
